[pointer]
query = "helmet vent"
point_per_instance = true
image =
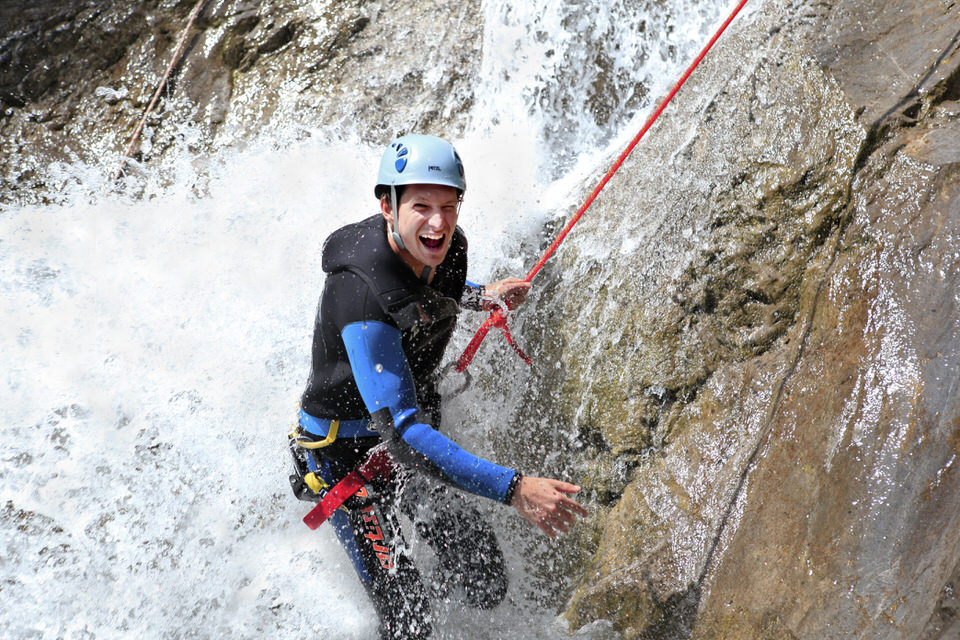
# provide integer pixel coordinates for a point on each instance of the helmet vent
(401, 162)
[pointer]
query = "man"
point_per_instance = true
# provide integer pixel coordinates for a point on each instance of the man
(395, 284)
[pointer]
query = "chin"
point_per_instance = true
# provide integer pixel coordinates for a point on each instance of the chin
(433, 260)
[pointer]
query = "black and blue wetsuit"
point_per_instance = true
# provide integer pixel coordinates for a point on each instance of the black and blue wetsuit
(378, 341)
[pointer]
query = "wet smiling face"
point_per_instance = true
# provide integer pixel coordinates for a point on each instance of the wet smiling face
(428, 217)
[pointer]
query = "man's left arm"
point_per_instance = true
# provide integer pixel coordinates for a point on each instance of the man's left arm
(386, 385)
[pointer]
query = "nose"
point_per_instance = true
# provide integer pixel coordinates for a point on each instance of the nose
(435, 218)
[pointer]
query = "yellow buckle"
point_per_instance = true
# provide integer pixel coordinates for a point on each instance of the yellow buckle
(310, 444)
(315, 482)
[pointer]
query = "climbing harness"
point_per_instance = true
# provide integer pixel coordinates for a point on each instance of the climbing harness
(317, 444)
(308, 485)
(498, 317)
(173, 63)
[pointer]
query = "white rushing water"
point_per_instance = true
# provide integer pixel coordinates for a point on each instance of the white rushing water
(156, 346)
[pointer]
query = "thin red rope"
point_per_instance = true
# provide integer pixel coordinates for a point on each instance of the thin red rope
(497, 318)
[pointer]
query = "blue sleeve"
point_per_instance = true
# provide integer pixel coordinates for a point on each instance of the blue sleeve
(383, 376)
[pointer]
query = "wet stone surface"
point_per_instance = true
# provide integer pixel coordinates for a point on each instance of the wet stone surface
(796, 306)
(76, 77)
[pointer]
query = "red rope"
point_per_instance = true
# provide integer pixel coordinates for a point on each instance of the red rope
(497, 318)
(156, 95)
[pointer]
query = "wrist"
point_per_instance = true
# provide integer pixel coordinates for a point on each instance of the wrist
(474, 296)
(512, 488)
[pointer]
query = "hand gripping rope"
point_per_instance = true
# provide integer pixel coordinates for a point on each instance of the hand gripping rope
(498, 317)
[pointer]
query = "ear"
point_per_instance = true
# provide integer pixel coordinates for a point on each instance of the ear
(385, 208)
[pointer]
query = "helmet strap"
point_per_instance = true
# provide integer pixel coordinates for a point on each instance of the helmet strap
(425, 273)
(396, 220)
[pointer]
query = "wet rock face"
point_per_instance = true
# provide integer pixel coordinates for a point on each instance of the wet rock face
(780, 366)
(42, 39)
(76, 77)
(61, 64)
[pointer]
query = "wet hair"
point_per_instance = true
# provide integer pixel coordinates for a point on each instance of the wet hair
(384, 190)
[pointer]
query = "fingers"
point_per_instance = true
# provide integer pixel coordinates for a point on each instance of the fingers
(515, 282)
(547, 529)
(517, 287)
(558, 523)
(516, 292)
(565, 487)
(569, 503)
(510, 291)
(553, 526)
(543, 501)
(573, 507)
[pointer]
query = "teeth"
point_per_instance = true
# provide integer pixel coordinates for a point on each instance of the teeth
(432, 241)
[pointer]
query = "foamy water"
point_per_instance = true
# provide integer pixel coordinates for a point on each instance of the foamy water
(157, 339)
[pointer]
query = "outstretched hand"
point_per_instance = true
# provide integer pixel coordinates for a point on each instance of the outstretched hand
(509, 291)
(544, 502)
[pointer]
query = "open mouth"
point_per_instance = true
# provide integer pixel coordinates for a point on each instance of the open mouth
(432, 241)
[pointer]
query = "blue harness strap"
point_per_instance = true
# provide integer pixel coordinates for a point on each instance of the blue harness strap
(348, 428)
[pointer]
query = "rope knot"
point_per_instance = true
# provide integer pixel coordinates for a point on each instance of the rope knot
(498, 319)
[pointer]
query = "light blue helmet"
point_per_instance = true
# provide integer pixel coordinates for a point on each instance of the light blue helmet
(420, 159)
